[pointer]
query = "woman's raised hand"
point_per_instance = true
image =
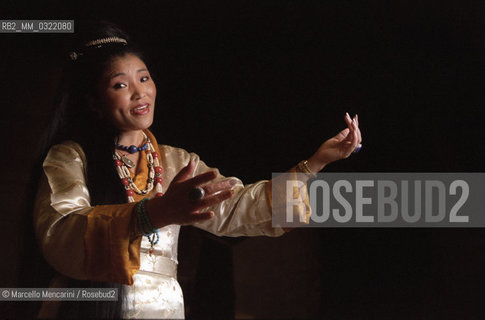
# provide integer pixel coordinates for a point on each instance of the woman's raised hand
(175, 207)
(339, 147)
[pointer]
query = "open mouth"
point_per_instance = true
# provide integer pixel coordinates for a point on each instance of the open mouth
(141, 109)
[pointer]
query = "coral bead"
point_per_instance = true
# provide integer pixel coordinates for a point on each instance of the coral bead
(158, 170)
(125, 181)
(155, 155)
(158, 180)
(118, 163)
(130, 193)
(159, 194)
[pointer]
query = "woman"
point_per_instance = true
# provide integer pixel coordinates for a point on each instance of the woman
(111, 200)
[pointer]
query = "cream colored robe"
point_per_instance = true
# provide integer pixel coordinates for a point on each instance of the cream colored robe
(100, 243)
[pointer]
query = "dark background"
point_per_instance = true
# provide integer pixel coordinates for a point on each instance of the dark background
(253, 87)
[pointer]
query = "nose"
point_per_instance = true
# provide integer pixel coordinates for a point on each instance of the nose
(138, 91)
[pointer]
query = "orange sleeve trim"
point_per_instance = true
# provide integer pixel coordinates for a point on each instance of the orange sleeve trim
(276, 191)
(112, 247)
(269, 188)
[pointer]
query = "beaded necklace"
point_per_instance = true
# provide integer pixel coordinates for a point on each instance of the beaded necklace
(154, 179)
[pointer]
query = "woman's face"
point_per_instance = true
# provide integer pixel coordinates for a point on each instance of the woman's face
(127, 93)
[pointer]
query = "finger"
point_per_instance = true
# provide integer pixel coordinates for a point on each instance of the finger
(350, 135)
(342, 135)
(357, 130)
(201, 179)
(359, 136)
(354, 140)
(350, 144)
(200, 216)
(219, 186)
(186, 172)
(212, 200)
(348, 120)
(356, 120)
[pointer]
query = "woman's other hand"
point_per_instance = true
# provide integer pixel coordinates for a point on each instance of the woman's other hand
(176, 207)
(339, 147)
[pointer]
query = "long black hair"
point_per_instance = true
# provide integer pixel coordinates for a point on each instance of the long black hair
(73, 119)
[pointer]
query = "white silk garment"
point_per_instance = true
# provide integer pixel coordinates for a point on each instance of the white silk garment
(60, 217)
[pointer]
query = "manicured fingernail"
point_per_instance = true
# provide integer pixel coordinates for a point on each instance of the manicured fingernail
(347, 115)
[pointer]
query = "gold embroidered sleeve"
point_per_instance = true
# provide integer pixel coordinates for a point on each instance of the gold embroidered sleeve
(247, 213)
(78, 240)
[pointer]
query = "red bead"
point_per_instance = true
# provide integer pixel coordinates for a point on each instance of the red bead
(159, 194)
(158, 169)
(130, 193)
(125, 181)
(158, 180)
(118, 163)
(155, 155)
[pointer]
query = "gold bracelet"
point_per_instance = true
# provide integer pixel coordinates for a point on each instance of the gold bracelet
(303, 168)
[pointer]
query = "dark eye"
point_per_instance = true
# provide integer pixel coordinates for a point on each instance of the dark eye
(119, 86)
(145, 78)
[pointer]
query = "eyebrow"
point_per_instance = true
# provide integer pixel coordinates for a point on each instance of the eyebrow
(124, 74)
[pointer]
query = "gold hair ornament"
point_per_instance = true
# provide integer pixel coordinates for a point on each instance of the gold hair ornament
(98, 43)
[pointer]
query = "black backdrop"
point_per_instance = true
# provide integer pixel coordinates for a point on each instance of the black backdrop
(255, 86)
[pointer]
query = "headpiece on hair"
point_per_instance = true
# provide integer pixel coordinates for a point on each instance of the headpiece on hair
(98, 43)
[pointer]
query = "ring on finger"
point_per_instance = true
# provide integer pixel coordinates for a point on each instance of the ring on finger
(358, 148)
(196, 194)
